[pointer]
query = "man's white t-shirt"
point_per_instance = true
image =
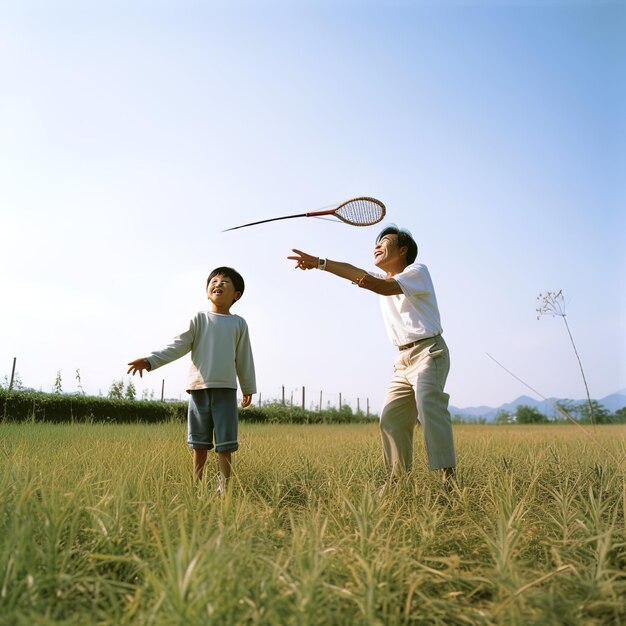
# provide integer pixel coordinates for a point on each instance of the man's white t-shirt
(414, 314)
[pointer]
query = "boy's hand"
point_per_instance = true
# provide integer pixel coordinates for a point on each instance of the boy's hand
(245, 401)
(138, 365)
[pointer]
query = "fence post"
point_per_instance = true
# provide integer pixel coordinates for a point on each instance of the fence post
(320, 409)
(162, 389)
(340, 400)
(303, 397)
(12, 374)
(283, 395)
(368, 407)
(358, 406)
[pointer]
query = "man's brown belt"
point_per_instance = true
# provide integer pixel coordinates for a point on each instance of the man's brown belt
(406, 346)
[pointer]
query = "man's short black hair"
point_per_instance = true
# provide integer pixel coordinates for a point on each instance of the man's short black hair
(231, 273)
(404, 239)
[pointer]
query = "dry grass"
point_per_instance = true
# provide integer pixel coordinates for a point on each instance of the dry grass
(103, 525)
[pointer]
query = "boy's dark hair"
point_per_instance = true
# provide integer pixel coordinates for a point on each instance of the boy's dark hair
(404, 239)
(231, 273)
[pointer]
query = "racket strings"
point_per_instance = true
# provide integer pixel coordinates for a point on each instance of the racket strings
(361, 212)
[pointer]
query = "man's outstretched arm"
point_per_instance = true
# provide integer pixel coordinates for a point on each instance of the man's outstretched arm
(381, 286)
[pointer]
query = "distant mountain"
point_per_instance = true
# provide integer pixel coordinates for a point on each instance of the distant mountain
(615, 400)
(612, 402)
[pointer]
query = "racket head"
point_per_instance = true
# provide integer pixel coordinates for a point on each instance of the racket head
(363, 211)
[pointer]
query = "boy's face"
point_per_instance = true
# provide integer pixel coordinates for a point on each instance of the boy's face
(221, 292)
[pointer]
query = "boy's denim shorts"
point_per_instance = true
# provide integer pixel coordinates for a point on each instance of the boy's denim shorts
(212, 414)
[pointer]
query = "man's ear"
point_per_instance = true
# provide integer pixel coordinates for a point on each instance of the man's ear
(237, 296)
(403, 251)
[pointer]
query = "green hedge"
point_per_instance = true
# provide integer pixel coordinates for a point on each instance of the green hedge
(22, 406)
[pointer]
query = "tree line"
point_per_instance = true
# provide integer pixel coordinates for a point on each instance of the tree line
(587, 412)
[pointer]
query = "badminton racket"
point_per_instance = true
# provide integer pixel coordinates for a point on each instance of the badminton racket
(356, 212)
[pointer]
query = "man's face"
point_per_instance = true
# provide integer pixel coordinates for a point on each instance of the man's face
(387, 252)
(221, 291)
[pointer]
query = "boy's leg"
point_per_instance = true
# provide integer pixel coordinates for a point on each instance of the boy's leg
(224, 462)
(199, 459)
(225, 417)
(199, 429)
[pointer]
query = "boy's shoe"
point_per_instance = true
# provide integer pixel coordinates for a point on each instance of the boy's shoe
(221, 486)
(391, 484)
(388, 487)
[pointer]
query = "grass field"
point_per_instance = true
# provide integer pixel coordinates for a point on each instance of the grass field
(102, 524)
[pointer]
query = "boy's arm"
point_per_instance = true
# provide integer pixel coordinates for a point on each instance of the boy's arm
(381, 286)
(180, 346)
(244, 364)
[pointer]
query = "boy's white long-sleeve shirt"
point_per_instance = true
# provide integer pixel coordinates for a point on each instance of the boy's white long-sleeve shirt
(220, 353)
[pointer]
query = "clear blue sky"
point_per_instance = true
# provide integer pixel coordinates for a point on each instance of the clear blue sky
(132, 133)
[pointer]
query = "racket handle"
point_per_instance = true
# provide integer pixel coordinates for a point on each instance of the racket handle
(273, 219)
(324, 212)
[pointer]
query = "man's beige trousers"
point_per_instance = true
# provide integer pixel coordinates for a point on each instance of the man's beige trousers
(416, 394)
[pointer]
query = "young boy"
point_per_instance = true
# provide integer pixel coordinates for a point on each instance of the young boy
(220, 354)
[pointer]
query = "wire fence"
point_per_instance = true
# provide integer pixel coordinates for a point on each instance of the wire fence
(299, 396)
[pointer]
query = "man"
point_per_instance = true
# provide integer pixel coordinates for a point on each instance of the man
(411, 317)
